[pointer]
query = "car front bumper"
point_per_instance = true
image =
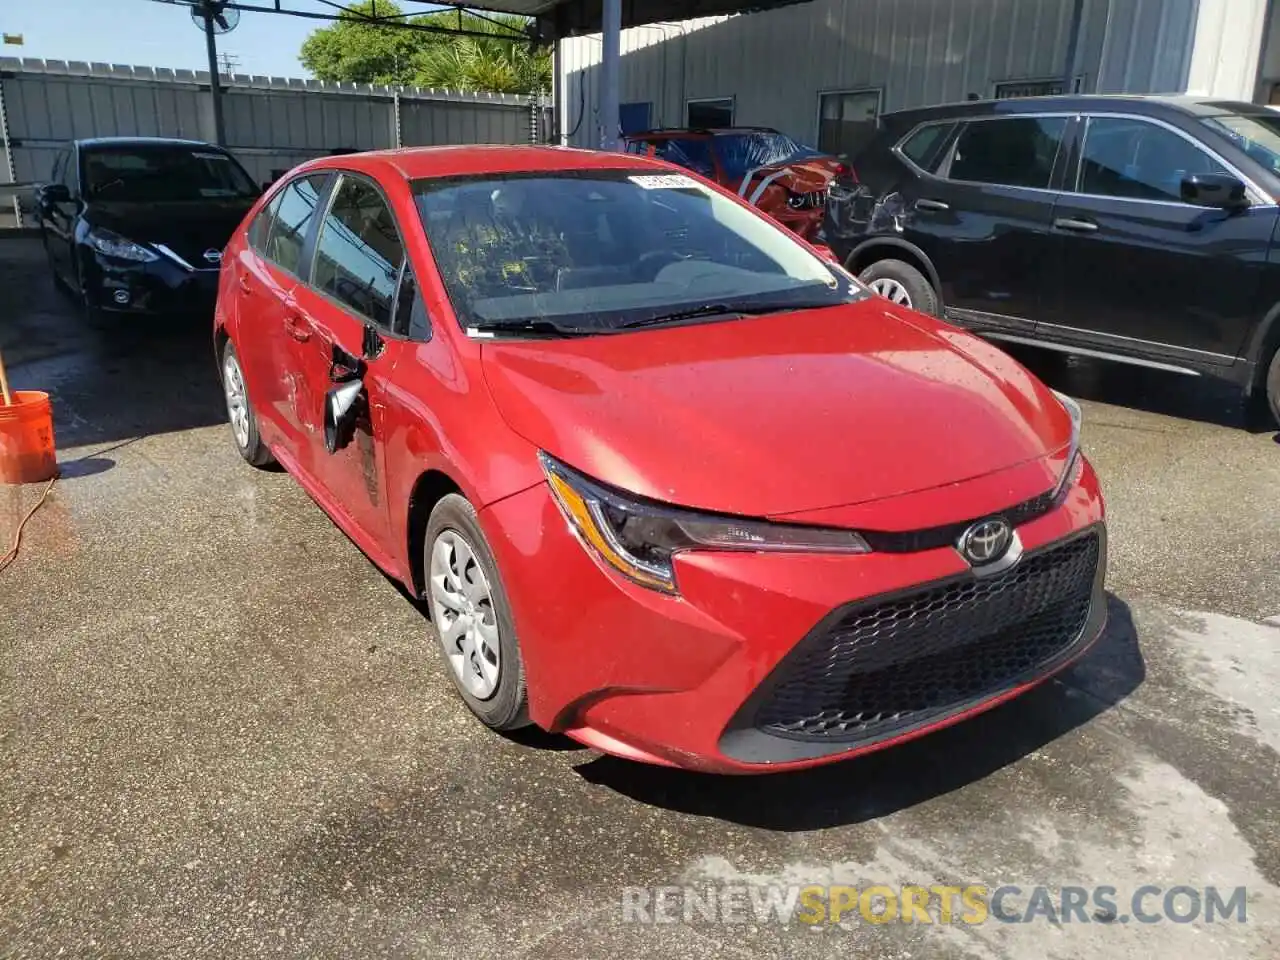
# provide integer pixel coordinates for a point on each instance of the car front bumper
(160, 286)
(769, 662)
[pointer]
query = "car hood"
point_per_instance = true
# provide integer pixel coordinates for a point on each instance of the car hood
(781, 414)
(188, 228)
(799, 174)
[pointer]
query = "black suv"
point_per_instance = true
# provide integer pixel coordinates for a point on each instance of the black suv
(1138, 229)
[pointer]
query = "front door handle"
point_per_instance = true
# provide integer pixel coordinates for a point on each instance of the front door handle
(244, 282)
(1079, 226)
(927, 204)
(298, 328)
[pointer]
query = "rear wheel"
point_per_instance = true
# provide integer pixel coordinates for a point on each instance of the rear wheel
(472, 616)
(244, 424)
(901, 283)
(1273, 387)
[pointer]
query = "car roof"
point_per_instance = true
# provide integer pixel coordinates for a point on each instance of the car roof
(416, 163)
(92, 142)
(1153, 105)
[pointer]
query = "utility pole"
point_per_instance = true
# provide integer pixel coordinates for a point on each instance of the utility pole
(215, 82)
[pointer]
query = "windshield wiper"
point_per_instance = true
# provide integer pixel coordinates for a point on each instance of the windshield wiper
(725, 309)
(537, 328)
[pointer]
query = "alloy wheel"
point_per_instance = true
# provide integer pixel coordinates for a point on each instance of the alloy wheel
(891, 289)
(237, 400)
(462, 608)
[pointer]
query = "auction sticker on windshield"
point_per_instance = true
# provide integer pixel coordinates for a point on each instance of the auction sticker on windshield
(665, 181)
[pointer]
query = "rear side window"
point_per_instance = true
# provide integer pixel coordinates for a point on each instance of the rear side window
(359, 253)
(1011, 151)
(292, 212)
(924, 146)
(260, 229)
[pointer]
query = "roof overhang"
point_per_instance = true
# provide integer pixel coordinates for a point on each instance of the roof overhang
(567, 18)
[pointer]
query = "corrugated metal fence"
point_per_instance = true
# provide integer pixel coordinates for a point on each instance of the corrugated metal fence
(272, 123)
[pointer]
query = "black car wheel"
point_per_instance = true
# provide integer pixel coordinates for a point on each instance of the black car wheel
(901, 283)
(1273, 387)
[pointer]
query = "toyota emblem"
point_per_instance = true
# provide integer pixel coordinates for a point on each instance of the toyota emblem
(985, 541)
(213, 256)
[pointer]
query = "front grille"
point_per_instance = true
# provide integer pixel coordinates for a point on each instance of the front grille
(931, 538)
(885, 666)
(807, 201)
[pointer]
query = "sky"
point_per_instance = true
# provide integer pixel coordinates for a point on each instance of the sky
(150, 34)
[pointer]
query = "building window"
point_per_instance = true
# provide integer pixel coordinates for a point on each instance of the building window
(704, 114)
(635, 117)
(1053, 87)
(846, 120)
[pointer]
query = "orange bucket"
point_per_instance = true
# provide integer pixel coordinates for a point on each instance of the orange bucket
(26, 439)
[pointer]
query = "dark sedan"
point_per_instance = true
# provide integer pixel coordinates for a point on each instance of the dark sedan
(138, 225)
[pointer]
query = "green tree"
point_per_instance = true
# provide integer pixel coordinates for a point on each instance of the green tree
(356, 51)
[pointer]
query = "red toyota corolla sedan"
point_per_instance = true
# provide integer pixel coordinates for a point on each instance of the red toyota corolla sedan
(670, 481)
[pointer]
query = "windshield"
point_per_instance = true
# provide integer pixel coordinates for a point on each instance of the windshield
(163, 174)
(740, 153)
(597, 251)
(1258, 135)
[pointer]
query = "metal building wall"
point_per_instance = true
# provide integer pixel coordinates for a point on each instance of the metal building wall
(914, 52)
(272, 123)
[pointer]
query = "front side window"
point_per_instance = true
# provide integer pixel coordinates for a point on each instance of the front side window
(583, 252)
(1010, 151)
(294, 209)
(359, 253)
(163, 173)
(1139, 160)
(59, 164)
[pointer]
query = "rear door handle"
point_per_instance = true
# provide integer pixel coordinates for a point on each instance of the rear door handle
(1079, 226)
(927, 204)
(298, 328)
(243, 278)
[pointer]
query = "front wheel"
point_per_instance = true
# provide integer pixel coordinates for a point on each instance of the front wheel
(472, 616)
(901, 283)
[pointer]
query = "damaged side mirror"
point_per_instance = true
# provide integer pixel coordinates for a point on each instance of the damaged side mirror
(342, 408)
(344, 403)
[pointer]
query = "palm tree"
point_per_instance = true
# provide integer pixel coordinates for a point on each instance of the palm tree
(473, 63)
(354, 50)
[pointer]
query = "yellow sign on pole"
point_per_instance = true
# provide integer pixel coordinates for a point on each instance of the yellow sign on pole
(13, 39)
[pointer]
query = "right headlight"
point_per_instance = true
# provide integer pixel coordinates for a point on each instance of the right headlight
(1073, 450)
(111, 244)
(639, 539)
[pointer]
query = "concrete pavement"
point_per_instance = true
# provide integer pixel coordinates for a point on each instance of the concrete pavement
(224, 734)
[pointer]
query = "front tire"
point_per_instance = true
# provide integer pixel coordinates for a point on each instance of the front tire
(244, 423)
(473, 617)
(901, 283)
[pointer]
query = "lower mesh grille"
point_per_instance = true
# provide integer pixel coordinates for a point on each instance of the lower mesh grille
(899, 663)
